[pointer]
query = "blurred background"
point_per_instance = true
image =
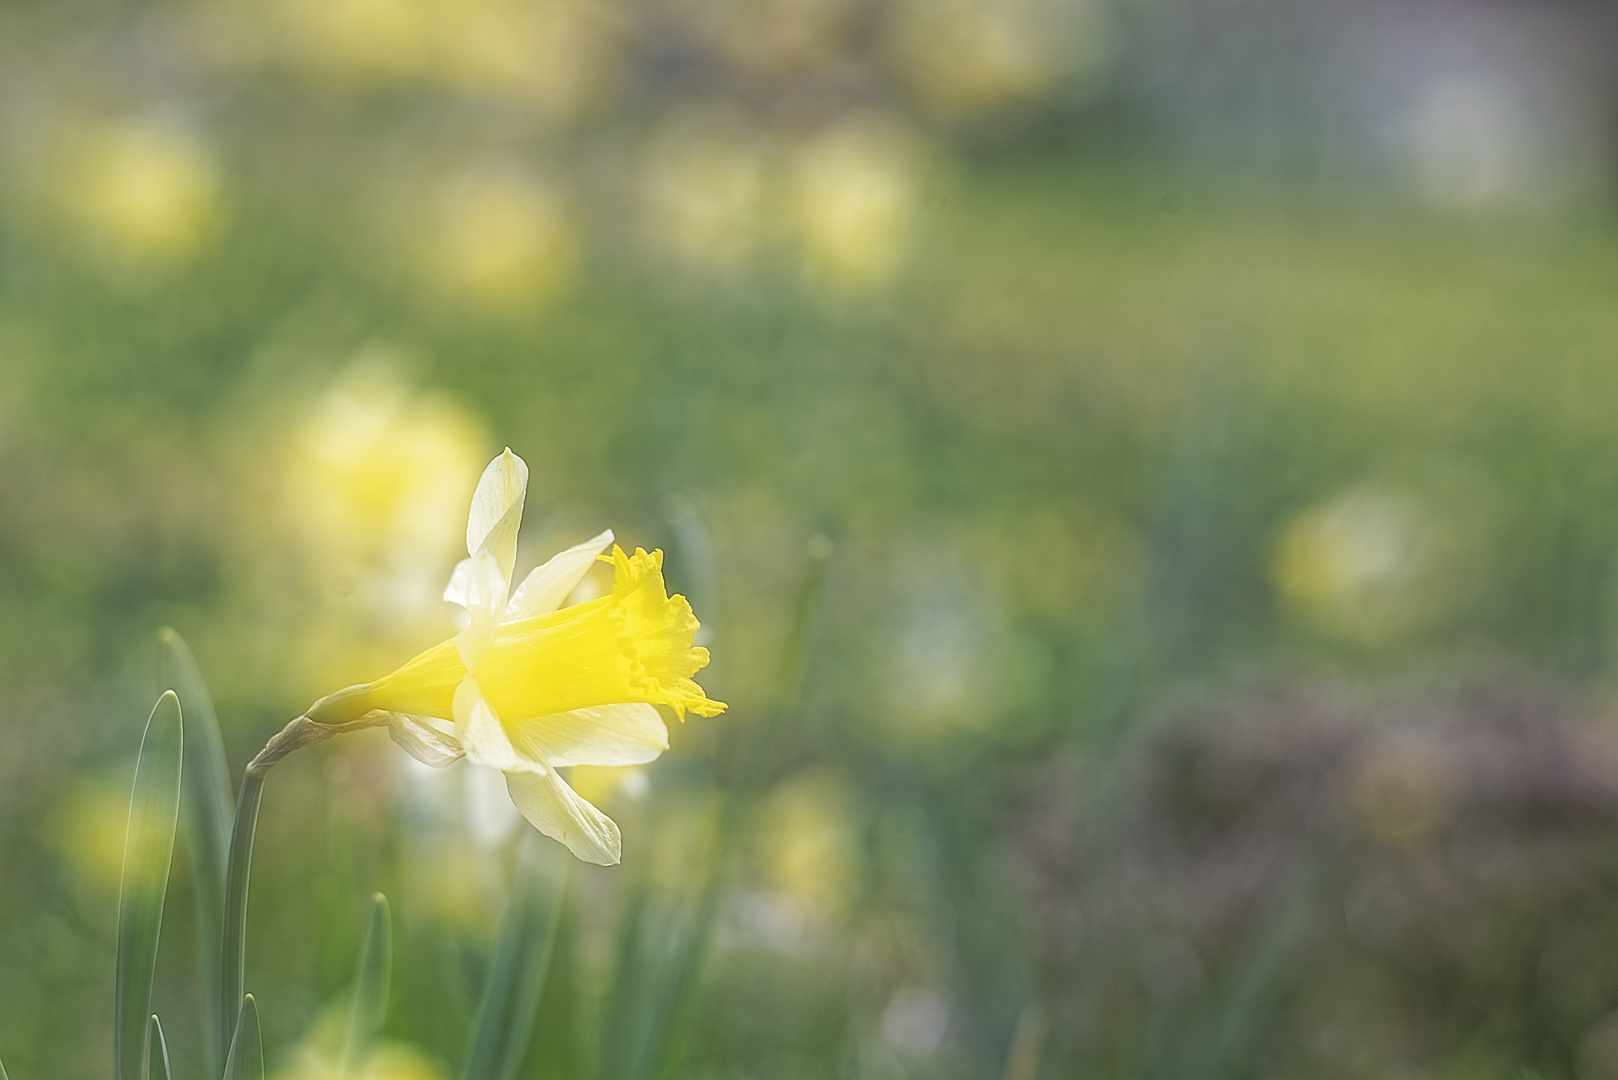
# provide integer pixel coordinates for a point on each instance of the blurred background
(1147, 470)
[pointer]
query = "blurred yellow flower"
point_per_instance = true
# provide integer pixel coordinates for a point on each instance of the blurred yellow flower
(558, 55)
(532, 687)
(687, 841)
(501, 240)
(372, 476)
(776, 38)
(1363, 565)
(374, 464)
(806, 843)
(856, 194)
(148, 192)
(366, 39)
(1404, 793)
(447, 876)
(705, 187)
(963, 57)
(599, 783)
(91, 827)
(319, 1054)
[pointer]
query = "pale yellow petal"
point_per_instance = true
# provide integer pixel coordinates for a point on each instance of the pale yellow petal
(424, 742)
(497, 511)
(478, 586)
(478, 730)
(604, 735)
(543, 591)
(557, 811)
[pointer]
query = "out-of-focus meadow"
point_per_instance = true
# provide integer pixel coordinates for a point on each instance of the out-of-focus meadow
(1147, 470)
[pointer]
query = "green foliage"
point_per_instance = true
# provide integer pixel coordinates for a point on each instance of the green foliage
(206, 806)
(246, 1058)
(239, 866)
(157, 1052)
(153, 817)
(518, 970)
(658, 955)
(369, 1009)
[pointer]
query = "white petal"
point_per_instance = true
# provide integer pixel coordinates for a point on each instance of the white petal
(602, 735)
(557, 811)
(490, 818)
(479, 732)
(497, 510)
(543, 591)
(424, 742)
(478, 586)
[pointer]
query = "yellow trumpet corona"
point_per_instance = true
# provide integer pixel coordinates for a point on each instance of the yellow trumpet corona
(631, 646)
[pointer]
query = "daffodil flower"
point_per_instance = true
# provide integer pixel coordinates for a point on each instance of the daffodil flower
(532, 687)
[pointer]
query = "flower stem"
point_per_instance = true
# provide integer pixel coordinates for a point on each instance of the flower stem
(306, 732)
(233, 946)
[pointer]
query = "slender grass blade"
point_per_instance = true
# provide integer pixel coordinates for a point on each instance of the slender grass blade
(661, 1024)
(148, 852)
(3, 1075)
(205, 804)
(761, 743)
(798, 649)
(659, 956)
(246, 1058)
(560, 1028)
(626, 988)
(516, 982)
(233, 946)
(694, 545)
(157, 1052)
(1234, 1038)
(370, 1006)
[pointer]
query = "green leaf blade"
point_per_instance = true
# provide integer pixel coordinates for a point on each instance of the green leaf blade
(157, 1050)
(246, 1058)
(660, 953)
(370, 1007)
(521, 961)
(238, 872)
(148, 854)
(206, 806)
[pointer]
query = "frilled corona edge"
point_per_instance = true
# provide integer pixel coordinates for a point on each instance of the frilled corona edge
(634, 645)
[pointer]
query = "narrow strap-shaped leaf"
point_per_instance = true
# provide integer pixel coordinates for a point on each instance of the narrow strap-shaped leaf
(522, 958)
(246, 1058)
(233, 946)
(154, 811)
(693, 545)
(676, 980)
(560, 1028)
(205, 804)
(3, 1075)
(370, 1006)
(157, 1051)
(798, 649)
(753, 751)
(627, 990)
(659, 956)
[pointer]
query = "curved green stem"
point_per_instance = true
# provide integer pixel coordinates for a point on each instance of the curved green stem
(299, 733)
